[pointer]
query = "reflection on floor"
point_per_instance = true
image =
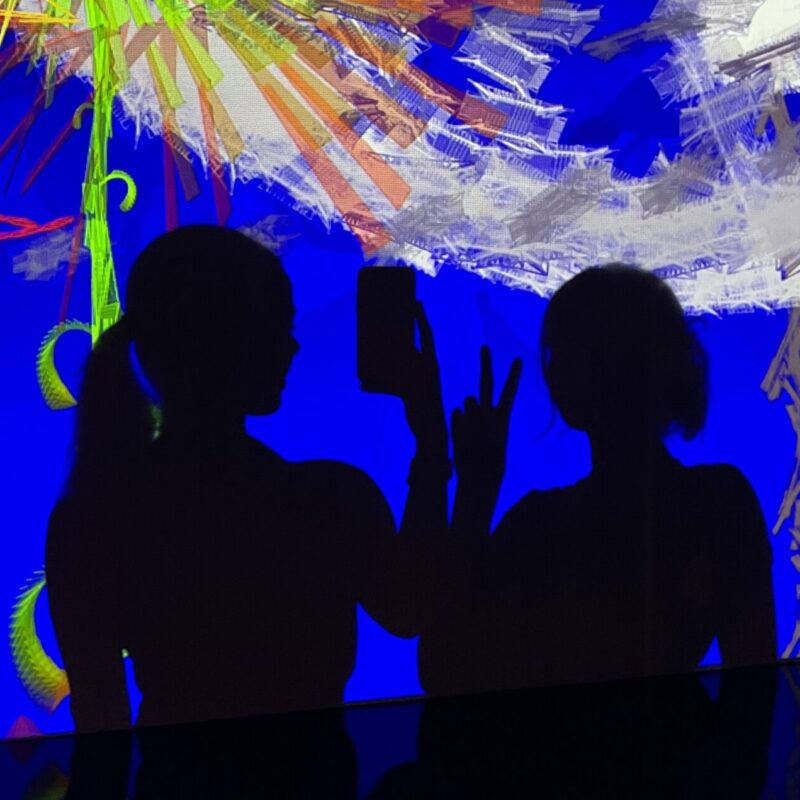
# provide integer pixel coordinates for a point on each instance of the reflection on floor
(717, 734)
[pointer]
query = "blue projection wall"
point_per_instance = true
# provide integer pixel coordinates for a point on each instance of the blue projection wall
(621, 176)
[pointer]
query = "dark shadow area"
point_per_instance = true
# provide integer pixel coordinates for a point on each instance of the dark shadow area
(653, 737)
(730, 733)
(300, 755)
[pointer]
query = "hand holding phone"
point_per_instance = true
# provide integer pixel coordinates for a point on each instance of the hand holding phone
(386, 341)
(389, 362)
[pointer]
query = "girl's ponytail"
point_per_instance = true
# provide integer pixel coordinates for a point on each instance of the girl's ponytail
(115, 422)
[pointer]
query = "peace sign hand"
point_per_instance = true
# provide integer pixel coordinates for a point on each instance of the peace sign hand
(422, 395)
(480, 431)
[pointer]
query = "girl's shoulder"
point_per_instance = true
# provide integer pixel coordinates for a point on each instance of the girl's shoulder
(537, 509)
(332, 476)
(723, 486)
(729, 504)
(339, 488)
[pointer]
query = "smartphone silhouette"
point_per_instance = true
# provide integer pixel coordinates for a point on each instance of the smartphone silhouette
(386, 343)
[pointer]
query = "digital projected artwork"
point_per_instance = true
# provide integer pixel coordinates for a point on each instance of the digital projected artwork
(498, 147)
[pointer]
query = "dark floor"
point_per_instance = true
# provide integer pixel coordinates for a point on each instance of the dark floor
(730, 734)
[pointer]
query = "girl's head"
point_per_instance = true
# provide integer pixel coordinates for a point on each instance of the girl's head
(619, 357)
(210, 316)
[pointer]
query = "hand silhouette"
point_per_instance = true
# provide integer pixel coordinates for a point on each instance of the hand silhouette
(480, 431)
(422, 396)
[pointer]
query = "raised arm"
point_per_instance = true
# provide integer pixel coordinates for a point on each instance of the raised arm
(82, 588)
(425, 513)
(480, 440)
(455, 649)
(400, 587)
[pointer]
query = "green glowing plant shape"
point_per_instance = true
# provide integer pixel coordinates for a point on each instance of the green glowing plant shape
(54, 390)
(110, 71)
(44, 680)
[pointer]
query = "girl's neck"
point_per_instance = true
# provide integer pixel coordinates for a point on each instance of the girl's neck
(627, 454)
(201, 423)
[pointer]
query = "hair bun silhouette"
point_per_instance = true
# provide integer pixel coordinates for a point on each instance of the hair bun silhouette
(616, 349)
(209, 313)
(200, 288)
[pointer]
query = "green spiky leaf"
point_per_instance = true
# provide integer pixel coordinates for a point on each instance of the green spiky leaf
(44, 680)
(54, 390)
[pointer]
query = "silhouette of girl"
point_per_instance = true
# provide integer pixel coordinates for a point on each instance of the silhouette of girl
(230, 575)
(633, 570)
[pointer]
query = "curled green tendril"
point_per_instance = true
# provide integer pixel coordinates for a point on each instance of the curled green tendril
(77, 117)
(54, 390)
(44, 680)
(130, 194)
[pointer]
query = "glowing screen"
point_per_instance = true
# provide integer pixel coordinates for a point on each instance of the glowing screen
(497, 147)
